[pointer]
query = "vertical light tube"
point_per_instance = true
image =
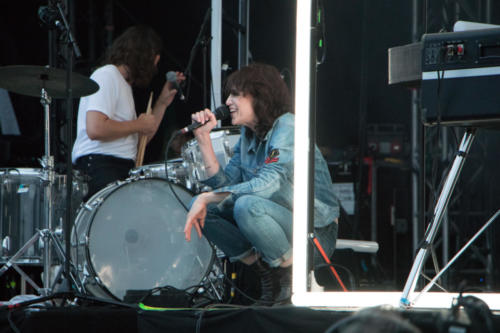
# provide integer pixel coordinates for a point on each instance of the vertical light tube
(216, 54)
(301, 165)
(340, 300)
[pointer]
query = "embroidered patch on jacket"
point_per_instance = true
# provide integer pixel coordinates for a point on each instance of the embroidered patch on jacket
(273, 156)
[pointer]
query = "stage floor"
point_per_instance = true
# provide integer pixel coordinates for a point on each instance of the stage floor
(112, 318)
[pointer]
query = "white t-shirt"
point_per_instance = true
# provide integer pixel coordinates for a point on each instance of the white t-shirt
(115, 99)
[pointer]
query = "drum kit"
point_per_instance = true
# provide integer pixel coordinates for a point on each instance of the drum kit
(23, 188)
(128, 236)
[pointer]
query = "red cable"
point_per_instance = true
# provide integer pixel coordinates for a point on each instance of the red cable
(327, 260)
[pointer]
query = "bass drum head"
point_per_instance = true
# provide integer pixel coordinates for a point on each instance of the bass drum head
(136, 239)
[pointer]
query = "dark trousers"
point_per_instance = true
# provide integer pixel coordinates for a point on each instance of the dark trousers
(100, 170)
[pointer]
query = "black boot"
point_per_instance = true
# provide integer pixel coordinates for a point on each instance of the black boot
(265, 274)
(284, 276)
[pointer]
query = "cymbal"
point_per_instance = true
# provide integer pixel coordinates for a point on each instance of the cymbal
(29, 80)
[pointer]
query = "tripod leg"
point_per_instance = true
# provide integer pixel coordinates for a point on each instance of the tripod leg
(47, 256)
(28, 279)
(23, 249)
(455, 257)
(56, 278)
(439, 210)
(12, 260)
(72, 275)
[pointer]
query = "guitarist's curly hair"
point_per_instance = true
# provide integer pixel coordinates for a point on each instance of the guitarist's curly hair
(136, 48)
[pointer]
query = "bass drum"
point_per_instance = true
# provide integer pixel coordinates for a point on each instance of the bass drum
(130, 236)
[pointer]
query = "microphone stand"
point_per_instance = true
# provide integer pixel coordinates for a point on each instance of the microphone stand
(72, 49)
(202, 39)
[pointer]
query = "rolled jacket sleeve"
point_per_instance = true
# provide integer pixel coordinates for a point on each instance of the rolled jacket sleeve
(231, 174)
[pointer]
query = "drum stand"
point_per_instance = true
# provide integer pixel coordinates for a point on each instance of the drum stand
(46, 235)
(439, 211)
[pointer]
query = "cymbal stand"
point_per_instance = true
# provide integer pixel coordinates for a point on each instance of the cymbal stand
(48, 174)
(47, 162)
(47, 235)
(72, 50)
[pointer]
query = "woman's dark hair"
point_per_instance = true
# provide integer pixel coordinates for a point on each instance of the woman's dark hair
(270, 95)
(136, 48)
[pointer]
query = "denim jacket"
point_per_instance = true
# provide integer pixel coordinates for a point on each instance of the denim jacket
(265, 168)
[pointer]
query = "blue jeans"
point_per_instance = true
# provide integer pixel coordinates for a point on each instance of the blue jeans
(252, 223)
(327, 238)
(260, 224)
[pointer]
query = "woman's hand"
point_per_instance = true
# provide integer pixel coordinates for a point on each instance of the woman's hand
(198, 212)
(208, 121)
(196, 217)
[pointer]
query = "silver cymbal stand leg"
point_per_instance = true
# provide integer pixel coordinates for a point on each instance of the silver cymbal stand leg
(12, 261)
(48, 237)
(48, 174)
(439, 210)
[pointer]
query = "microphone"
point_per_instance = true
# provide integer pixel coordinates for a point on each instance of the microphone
(172, 77)
(49, 17)
(221, 113)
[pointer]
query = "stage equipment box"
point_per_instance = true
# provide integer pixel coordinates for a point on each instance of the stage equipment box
(461, 78)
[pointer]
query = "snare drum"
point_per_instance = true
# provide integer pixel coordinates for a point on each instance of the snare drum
(23, 209)
(130, 236)
(223, 142)
(177, 172)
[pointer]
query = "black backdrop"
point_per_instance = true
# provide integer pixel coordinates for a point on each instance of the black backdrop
(358, 35)
(272, 40)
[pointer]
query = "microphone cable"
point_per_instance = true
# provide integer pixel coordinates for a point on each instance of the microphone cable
(169, 143)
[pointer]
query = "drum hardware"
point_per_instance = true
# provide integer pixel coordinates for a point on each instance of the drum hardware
(22, 208)
(134, 240)
(91, 206)
(47, 163)
(6, 245)
(213, 283)
(223, 140)
(174, 170)
(98, 275)
(31, 80)
(47, 83)
(45, 235)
